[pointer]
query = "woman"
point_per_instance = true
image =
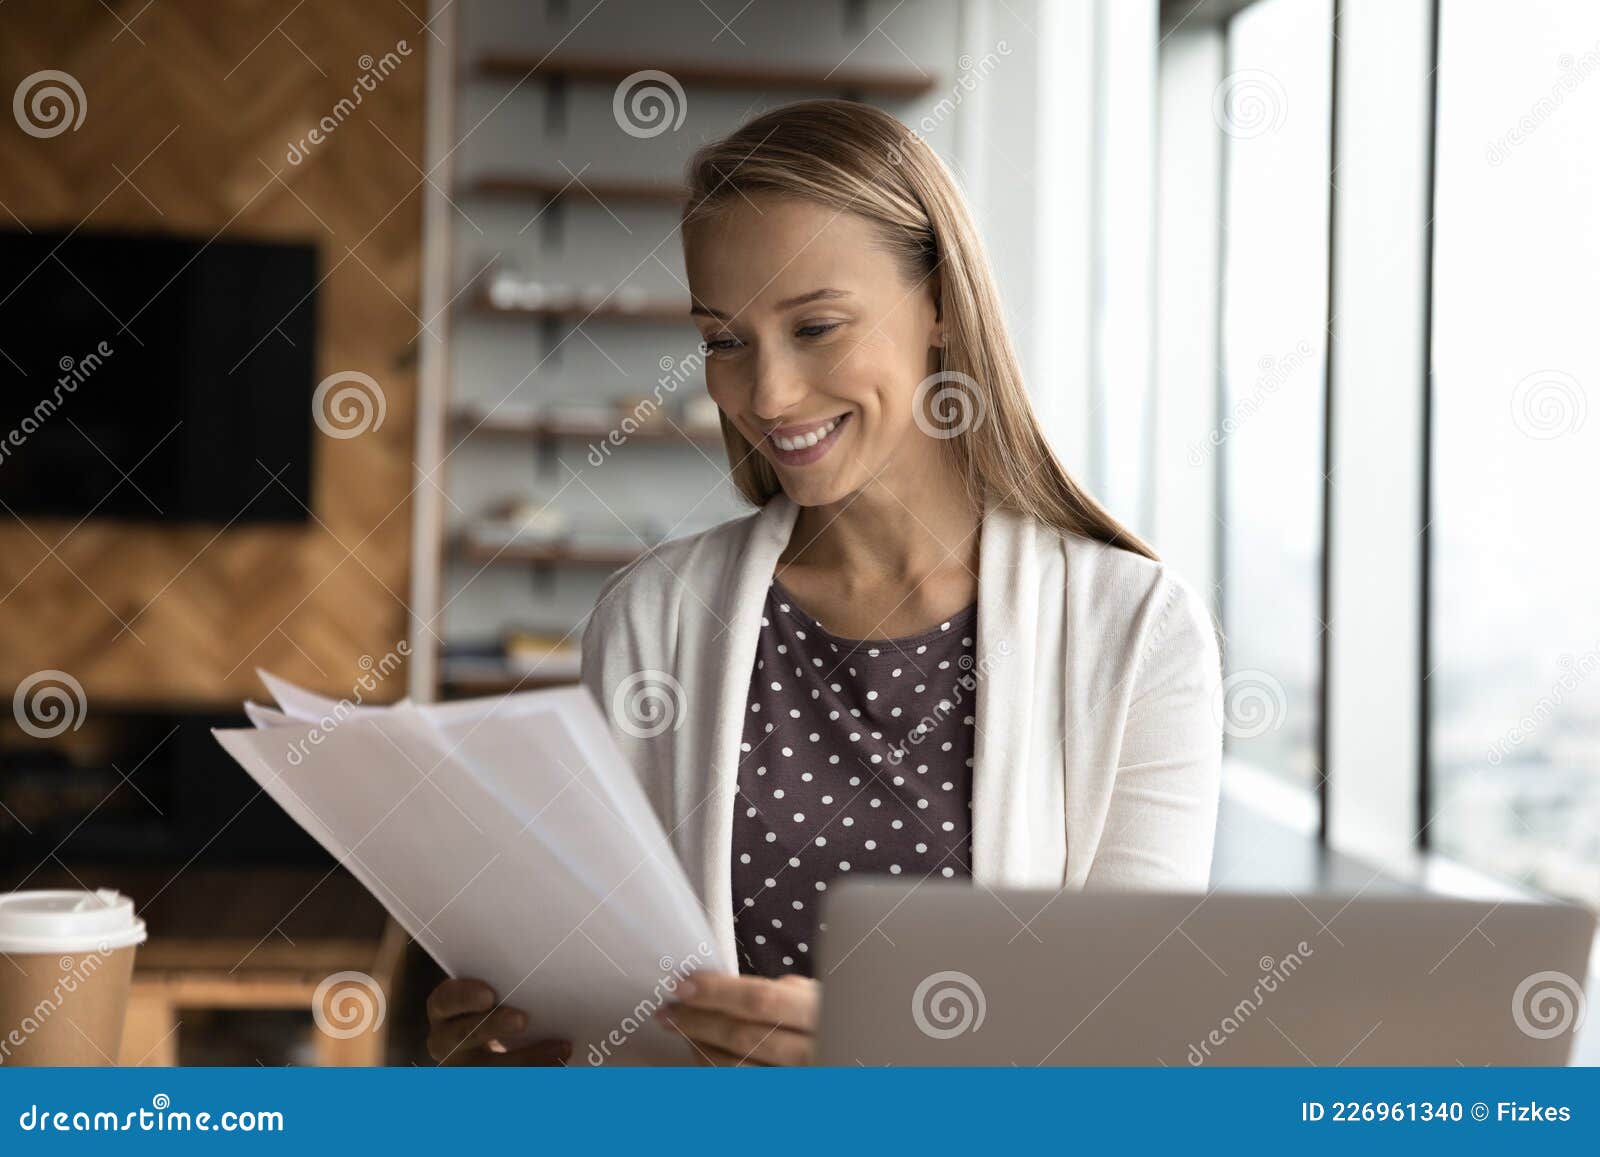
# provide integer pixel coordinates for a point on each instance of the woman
(929, 653)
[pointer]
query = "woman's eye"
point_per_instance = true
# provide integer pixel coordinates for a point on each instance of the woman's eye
(817, 329)
(716, 345)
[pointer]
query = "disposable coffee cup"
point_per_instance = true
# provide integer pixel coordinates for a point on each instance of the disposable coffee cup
(64, 992)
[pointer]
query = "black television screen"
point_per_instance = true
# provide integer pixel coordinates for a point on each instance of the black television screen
(156, 377)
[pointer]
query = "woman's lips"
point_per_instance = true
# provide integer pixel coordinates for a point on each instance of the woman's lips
(805, 443)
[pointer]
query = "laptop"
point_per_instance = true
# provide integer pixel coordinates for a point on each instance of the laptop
(952, 974)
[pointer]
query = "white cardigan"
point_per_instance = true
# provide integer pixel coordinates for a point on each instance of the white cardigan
(1098, 728)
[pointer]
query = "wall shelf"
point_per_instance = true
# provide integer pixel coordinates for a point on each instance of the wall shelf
(655, 312)
(877, 82)
(553, 553)
(606, 190)
(467, 422)
(490, 677)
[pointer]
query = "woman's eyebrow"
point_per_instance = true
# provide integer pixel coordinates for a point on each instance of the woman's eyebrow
(699, 307)
(814, 295)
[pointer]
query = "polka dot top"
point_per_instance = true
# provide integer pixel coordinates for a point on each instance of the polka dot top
(856, 758)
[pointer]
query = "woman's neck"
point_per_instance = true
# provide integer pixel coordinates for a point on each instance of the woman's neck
(889, 532)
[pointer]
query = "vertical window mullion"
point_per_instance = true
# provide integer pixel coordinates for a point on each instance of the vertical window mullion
(1377, 408)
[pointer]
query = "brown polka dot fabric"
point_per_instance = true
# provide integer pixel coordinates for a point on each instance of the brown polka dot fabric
(856, 758)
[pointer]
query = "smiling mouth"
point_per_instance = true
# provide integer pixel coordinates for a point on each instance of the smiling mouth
(801, 438)
(801, 445)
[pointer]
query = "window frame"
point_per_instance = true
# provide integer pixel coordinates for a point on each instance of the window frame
(1373, 793)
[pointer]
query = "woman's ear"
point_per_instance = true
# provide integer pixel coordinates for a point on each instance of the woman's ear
(938, 311)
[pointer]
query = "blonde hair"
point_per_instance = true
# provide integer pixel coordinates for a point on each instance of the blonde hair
(858, 159)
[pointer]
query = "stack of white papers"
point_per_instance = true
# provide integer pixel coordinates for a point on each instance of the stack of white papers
(510, 839)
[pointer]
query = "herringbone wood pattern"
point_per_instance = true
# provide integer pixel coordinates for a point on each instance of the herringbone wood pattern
(190, 111)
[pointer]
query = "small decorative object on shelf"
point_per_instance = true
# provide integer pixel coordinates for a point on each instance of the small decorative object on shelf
(581, 305)
(549, 554)
(695, 419)
(702, 416)
(597, 296)
(529, 530)
(510, 290)
(492, 666)
(549, 653)
(605, 531)
(630, 298)
(465, 678)
(579, 413)
(511, 417)
(641, 410)
(523, 520)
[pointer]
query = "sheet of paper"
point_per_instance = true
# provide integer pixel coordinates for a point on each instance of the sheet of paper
(511, 840)
(307, 706)
(264, 717)
(490, 735)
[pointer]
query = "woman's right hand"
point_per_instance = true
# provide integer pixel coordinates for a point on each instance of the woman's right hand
(464, 1028)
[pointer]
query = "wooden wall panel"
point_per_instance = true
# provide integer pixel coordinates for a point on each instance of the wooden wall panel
(197, 101)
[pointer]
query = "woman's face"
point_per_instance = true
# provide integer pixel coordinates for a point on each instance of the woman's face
(815, 343)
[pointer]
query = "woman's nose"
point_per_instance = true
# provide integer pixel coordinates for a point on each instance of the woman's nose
(779, 386)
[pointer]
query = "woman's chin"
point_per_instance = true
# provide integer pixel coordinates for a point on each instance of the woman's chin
(805, 488)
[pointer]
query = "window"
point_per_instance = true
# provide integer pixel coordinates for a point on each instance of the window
(1515, 608)
(1273, 107)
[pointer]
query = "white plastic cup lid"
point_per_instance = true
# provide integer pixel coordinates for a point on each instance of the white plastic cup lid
(68, 921)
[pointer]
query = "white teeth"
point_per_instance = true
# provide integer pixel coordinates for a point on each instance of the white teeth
(807, 440)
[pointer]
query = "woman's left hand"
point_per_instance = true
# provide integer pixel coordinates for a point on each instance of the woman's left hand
(745, 1020)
